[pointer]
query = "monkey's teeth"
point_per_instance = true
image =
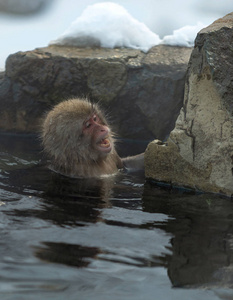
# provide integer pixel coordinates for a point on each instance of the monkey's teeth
(104, 143)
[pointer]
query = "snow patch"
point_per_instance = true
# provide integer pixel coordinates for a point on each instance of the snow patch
(184, 36)
(108, 25)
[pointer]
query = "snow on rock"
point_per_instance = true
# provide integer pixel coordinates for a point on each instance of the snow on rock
(108, 25)
(184, 36)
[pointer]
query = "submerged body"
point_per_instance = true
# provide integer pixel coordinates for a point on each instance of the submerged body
(79, 142)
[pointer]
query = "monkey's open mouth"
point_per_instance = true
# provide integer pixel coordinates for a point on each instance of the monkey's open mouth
(104, 145)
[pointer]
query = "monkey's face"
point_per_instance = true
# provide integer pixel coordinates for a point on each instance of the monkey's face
(75, 131)
(98, 133)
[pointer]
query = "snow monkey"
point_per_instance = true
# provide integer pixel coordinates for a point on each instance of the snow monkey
(79, 142)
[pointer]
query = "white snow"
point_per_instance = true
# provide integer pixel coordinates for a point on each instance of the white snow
(108, 25)
(184, 36)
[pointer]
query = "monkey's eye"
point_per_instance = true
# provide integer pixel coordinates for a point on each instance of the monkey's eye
(87, 124)
(95, 118)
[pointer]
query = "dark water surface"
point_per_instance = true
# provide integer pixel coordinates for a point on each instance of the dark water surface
(112, 238)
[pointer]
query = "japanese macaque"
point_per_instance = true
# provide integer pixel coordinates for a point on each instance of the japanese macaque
(79, 142)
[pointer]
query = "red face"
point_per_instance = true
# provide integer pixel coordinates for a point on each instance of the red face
(98, 132)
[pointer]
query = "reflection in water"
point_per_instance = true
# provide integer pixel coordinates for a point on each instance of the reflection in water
(110, 238)
(202, 229)
(71, 255)
(66, 201)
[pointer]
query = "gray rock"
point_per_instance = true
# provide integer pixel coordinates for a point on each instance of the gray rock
(199, 151)
(141, 93)
(23, 7)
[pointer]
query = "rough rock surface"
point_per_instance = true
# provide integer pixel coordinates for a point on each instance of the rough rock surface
(199, 151)
(142, 93)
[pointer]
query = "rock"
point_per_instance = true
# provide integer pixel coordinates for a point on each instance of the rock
(23, 6)
(199, 151)
(142, 93)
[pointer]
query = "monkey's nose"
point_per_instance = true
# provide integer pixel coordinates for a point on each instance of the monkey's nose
(104, 129)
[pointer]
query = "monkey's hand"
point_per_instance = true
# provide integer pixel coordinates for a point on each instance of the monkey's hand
(134, 163)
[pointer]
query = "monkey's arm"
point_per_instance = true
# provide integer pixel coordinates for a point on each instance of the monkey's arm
(134, 163)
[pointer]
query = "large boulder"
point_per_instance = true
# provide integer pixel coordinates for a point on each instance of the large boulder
(199, 151)
(141, 92)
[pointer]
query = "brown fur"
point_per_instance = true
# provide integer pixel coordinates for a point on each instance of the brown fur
(71, 153)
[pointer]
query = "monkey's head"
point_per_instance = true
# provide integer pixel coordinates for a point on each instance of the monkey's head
(75, 132)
